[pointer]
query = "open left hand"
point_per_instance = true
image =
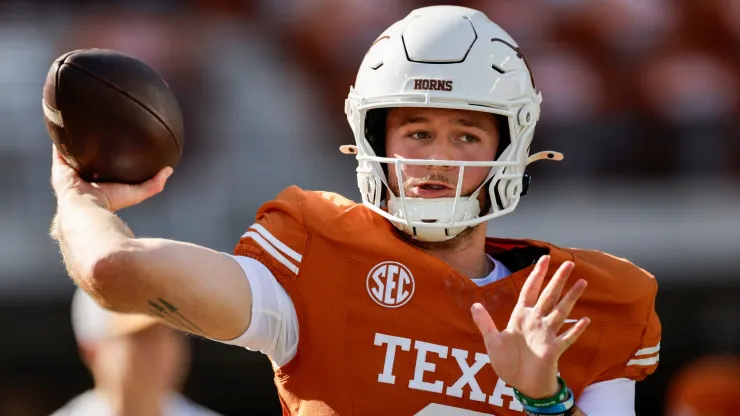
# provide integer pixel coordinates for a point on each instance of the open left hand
(525, 354)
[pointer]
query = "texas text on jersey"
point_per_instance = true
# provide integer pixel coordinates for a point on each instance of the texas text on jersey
(385, 328)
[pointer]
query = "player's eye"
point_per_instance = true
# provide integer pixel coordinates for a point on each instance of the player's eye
(469, 138)
(420, 135)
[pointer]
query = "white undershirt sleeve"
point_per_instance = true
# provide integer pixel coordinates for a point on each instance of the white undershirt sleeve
(609, 398)
(273, 329)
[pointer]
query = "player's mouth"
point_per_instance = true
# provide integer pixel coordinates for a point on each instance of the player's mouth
(432, 189)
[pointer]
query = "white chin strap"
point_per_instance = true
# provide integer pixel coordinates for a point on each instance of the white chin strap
(433, 210)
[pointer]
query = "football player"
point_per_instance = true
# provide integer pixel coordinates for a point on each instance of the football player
(399, 304)
(138, 365)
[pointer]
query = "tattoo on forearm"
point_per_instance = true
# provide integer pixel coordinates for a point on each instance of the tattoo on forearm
(171, 313)
(157, 313)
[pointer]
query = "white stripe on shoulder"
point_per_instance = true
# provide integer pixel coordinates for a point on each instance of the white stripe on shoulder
(644, 361)
(277, 243)
(271, 250)
(648, 351)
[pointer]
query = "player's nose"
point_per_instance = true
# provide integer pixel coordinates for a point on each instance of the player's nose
(441, 150)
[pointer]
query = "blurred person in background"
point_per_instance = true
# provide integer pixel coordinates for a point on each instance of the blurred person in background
(137, 364)
(707, 386)
(318, 282)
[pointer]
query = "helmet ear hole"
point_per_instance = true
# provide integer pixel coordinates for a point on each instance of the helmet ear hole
(375, 133)
(528, 114)
(375, 129)
(504, 136)
(524, 116)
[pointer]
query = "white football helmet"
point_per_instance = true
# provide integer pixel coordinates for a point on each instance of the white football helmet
(444, 57)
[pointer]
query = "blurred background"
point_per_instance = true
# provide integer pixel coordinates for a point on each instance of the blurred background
(642, 97)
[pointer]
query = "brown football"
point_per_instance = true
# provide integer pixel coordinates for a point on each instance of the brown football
(112, 117)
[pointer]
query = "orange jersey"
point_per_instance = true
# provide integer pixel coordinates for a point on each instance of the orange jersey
(385, 328)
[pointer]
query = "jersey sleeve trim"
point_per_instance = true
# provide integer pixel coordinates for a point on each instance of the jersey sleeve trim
(639, 354)
(646, 361)
(277, 243)
(274, 247)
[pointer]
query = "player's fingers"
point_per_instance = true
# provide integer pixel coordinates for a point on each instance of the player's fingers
(57, 160)
(558, 315)
(486, 326)
(531, 288)
(154, 185)
(554, 288)
(161, 177)
(122, 196)
(570, 336)
(62, 175)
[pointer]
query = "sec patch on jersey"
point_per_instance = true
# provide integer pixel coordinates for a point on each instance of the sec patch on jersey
(390, 284)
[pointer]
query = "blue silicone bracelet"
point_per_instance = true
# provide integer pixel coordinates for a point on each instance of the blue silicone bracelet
(555, 409)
